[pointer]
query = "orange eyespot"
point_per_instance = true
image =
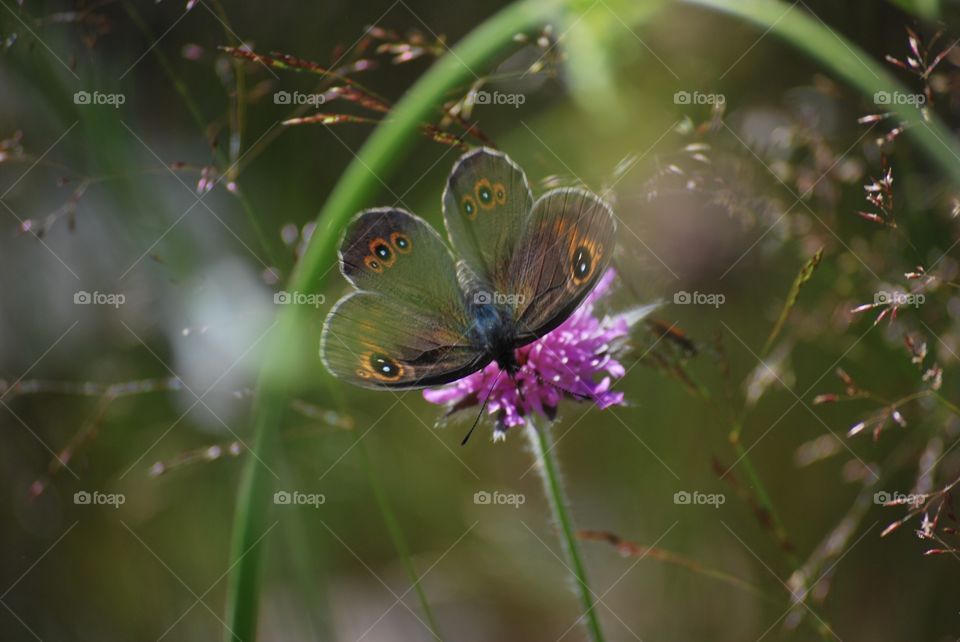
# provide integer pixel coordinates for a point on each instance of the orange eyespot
(378, 365)
(582, 264)
(401, 242)
(374, 265)
(484, 193)
(381, 251)
(499, 194)
(469, 206)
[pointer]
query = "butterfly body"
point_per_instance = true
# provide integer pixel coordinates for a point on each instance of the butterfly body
(494, 334)
(420, 317)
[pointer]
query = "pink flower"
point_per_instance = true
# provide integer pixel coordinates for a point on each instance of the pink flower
(564, 363)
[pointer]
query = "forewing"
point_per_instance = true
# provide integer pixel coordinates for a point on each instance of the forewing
(393, 252)
(486, 203)
(562, 253)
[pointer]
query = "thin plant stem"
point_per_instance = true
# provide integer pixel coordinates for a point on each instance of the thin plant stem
(763, 496)
(543, 445)
(781, 536)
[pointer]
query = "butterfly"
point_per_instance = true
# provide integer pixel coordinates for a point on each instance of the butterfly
(422, 316)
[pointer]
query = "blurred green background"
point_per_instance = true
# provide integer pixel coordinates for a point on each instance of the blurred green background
(113, 191)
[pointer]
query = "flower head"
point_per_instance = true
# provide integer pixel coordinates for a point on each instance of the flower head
(566, 363)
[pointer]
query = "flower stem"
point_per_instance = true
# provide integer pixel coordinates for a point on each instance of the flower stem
(543, 449)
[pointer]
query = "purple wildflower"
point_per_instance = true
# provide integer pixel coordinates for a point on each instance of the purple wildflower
(564, 363)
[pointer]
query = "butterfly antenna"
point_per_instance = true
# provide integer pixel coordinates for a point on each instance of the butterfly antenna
(482, 408)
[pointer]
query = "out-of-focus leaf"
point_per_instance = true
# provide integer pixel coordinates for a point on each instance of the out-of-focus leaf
(586, 36)
(929, 9)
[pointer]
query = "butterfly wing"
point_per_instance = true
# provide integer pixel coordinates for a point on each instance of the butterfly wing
(393, 252)
(377, 341)
(486, 204)
(562, 252)
(407, 326)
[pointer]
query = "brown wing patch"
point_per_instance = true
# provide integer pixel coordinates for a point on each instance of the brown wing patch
(582, 251)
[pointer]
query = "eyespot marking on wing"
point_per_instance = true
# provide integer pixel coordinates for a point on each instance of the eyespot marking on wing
(469, 206)
(401, 242)
(373, 264)
(581, 264)
(380, 249)
(500, 194)
(483, 191)
(374, 364)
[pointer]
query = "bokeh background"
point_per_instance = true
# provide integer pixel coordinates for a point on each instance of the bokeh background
(111, 200)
